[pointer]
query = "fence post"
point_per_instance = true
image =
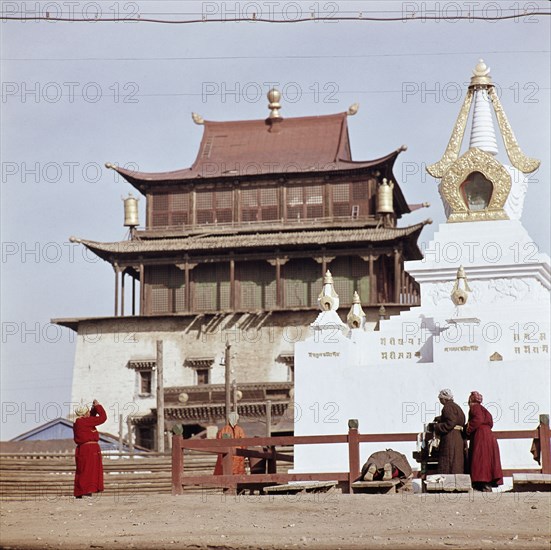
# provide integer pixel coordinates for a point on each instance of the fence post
(545, 444)
(272, 462)
(227, 468)
(177, 464)
(353, 452)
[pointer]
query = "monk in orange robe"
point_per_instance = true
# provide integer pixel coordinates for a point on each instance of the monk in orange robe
(89, 467)
(231, 431)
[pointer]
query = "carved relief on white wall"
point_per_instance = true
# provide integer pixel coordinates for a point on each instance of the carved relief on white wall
(491, 291)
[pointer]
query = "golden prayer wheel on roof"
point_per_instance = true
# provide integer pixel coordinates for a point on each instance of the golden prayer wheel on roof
(131, 218)
(384, 198)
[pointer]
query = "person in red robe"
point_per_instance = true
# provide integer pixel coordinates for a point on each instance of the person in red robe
(231, 431)
(484, 460)
(89, 467)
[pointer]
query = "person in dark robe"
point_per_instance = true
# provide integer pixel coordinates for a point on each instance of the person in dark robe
(89, 467)
(231, 431)
(484, 459)
(449, 428)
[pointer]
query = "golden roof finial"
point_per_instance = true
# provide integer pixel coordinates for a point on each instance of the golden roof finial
(459, 295)
(197, 118)
(481, 75)
(353, 109)
(274, 96)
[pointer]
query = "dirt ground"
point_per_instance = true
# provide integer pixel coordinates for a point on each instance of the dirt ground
(322, 521)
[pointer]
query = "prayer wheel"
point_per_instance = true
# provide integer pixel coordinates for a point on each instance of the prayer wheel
(131, 218)
(384, 198)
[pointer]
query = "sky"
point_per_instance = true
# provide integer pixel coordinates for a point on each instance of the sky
(78, 94)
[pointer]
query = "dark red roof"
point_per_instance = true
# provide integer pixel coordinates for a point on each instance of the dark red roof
(256, 147)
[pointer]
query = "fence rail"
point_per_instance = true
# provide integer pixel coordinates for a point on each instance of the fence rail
(51, 475)
(229, 448)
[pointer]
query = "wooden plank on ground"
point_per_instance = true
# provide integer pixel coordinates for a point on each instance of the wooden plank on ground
(531, 482)
(301, 487)
(448, 483)
(377, 486)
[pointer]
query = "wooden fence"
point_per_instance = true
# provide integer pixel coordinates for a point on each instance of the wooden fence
(265, 448)
(50, 475)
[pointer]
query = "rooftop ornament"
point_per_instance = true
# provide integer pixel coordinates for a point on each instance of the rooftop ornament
(356, 315)
(475, 186)
(459, 294)
(328, 302)
(274, 118)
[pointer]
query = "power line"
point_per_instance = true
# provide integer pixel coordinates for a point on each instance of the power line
(359, 17)
(272, 57)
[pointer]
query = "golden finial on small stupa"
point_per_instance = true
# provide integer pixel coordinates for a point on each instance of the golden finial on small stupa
(459, 294)
(356, 315)
(328, 299)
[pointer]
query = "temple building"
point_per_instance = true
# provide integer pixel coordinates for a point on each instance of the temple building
(483, 322)
(233, 251)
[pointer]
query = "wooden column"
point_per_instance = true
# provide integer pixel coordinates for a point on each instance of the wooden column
(177, 464)
(133, 295)
(232, 284)
(268, 418)
(397, 275)
(227, 367)
(122, 292)
(142, 289)
(130, 436)
(324, 261)
(186, 267)
(545, 443)
(353, 453)
(372, 281)
(116, 268)
(277, 263)
(160, 400)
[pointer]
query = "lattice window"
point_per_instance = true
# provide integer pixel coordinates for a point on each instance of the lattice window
(302, 283)
(170, 209)
(214, 207)
(351, 199)
(269, 204)
(211, 287)
(259, 204)
(341, 192)
(268, 196)
(256, 284)
(166, 289)
(305, 202)
(360, 191)
(350, 273)
(249, 198)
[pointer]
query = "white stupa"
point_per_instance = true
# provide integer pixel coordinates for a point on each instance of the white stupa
(483, 323)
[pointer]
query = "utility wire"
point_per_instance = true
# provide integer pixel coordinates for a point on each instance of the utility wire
(272, 57)
(205, 19)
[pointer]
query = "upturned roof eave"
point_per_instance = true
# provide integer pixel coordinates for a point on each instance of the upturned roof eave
(119, 250)
(143, 181)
